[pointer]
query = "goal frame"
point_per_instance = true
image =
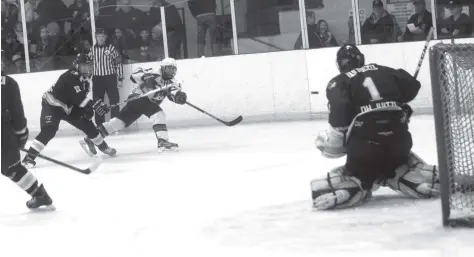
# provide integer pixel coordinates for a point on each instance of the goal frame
(443, 138)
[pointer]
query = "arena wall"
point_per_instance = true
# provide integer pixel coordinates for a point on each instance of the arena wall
(261, 87)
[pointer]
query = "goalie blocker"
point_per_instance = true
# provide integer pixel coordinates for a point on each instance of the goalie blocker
(368, 119)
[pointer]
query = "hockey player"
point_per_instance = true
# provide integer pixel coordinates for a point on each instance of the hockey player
(147, 80)
(70, 99)
(368, 118)
(14, 137)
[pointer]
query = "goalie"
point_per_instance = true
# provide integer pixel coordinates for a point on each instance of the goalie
(368, 118)
(148, 80)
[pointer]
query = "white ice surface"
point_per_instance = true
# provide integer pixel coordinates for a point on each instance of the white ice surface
(241, 191)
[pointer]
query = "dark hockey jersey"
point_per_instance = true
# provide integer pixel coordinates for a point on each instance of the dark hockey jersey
(13, 115)
(367, 89)
(70, 90)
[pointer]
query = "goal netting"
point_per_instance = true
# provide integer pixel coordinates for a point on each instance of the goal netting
(452, 78)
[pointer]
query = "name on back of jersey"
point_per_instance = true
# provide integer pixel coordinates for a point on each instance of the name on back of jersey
(354, 72)
(378, 105)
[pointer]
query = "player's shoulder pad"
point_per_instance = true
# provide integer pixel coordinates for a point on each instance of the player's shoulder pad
(336, 82)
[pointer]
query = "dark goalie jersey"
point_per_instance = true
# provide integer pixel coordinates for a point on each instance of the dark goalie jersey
(70, 90)
(369, 88)
(13, 115)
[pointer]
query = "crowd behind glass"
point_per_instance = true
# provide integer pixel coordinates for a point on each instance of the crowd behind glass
(47, 34)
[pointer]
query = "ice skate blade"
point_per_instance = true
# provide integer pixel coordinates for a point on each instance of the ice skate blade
(47, 208)
(86, 148)
(173, 149)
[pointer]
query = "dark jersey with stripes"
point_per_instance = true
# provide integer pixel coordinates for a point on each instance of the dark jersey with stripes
(70, 90)
(13, 114)
(106, 60)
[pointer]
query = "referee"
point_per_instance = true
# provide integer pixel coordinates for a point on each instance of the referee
(108, 72)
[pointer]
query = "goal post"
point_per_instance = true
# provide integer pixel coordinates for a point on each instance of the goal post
(452, 81)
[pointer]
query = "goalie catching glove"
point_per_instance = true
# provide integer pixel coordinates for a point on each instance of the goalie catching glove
(331, 143)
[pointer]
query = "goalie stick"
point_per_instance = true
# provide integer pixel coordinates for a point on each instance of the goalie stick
(87, 171)
(420, 61)
(227, 123)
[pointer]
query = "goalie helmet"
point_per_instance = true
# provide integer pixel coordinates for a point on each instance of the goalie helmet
(349, 57)
(168, 68)
(83, 64)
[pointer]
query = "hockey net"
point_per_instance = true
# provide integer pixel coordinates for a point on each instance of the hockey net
(452, 75)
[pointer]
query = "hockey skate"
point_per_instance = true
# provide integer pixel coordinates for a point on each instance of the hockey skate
(88, 146)
(166, 145)
(41, 199)
(28, 162)
(107, 150)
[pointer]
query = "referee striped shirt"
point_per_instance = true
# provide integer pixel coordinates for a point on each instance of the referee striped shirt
(106, 60)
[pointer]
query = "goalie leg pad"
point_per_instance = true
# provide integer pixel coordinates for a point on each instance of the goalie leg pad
(338, 191)
(416, 179)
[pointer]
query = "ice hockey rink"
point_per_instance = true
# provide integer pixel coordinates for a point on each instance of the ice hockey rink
(240, 191)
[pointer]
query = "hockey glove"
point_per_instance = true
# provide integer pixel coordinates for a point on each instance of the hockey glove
(179, 97)
(22, 137)
(100, 107)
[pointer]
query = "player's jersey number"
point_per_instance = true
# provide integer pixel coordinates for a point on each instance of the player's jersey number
(372, 88)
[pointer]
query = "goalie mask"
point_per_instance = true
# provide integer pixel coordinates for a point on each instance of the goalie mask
(83, 65)
(349, 57)
(168, 68)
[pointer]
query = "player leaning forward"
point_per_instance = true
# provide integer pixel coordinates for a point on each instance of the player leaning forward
(14, 136)
(368, 120)
(70, 99)
(162, 80)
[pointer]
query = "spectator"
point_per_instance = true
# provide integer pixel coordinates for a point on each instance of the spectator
(30, 7)
(156, 43)
(351, 37)
(205, 13)
(174, 26)
(13, 51)
(19, 32)
(119, 40)
(128, 18)
(380, 27)
(9, 15)
(42, 50)
(419, 24)
(458, 25)
(107, 7)
(150, 48)
(324, 36)
(80, 14)
(52, 11)
(104, 11)
(312, 31)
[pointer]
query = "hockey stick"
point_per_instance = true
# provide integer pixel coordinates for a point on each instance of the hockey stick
(136, 97)
(423, 53)
(227, 123)
(87, 171)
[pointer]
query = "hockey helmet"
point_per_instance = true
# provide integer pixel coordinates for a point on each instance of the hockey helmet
(83, 64)
(349, 57)
(168, 68)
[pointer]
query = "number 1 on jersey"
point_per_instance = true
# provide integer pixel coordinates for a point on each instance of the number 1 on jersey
(372, 88)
